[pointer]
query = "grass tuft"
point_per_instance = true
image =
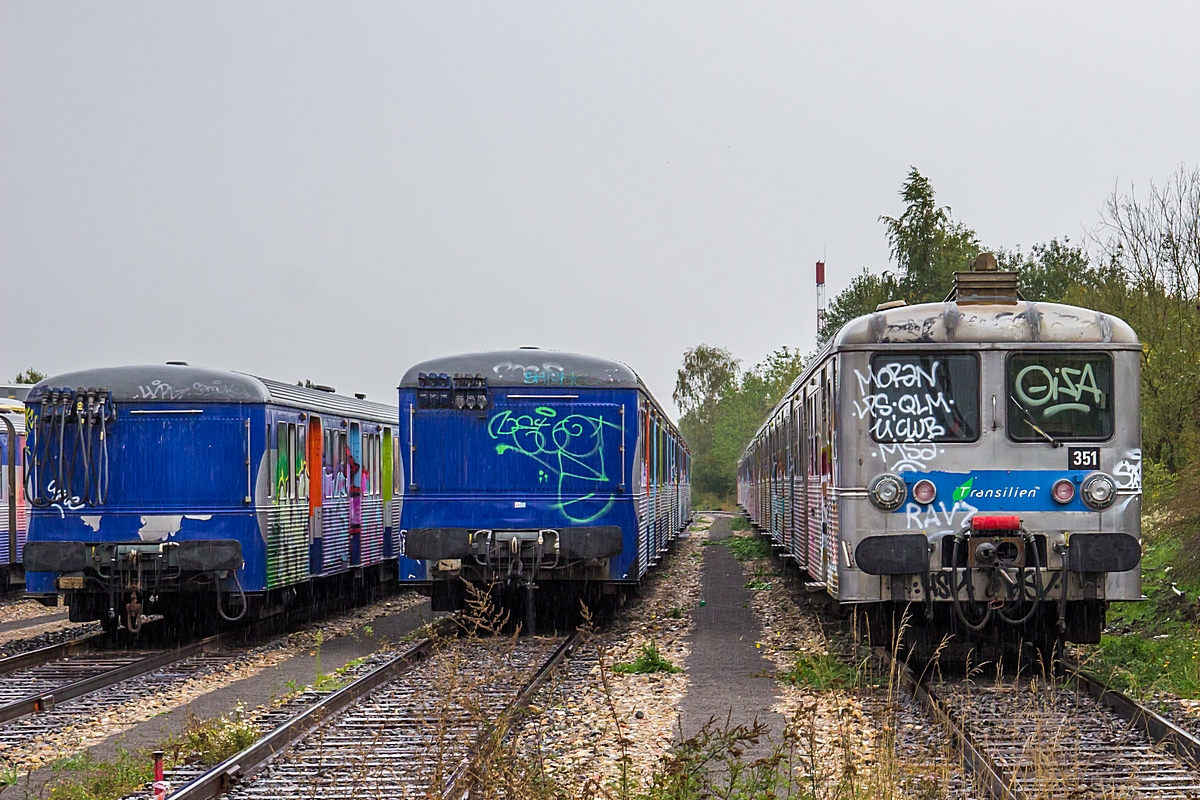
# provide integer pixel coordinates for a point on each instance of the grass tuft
(820, 671)
(748, 548)
(89, 779)
(649, 660)
(211, 741)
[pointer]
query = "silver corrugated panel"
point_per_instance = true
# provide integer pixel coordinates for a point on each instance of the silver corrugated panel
(287, 544)
(286, 394)
(335, 533)
(372, 530)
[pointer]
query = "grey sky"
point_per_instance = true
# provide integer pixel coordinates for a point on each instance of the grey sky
(338, 191)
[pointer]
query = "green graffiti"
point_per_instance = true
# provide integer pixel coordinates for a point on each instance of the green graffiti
(961, 492)
(569, 449)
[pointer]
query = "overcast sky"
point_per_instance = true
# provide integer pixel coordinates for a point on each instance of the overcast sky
(337, 191)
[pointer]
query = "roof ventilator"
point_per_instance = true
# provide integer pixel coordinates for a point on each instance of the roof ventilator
(985, 284)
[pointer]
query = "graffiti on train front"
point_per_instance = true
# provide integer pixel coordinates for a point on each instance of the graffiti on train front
(570, 451)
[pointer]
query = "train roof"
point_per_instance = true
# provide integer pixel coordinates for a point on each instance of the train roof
(1023, 321)
(529, 367)
(14, 410)
(187, 384)
(951, 322)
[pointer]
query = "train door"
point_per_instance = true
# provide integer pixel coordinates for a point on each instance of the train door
(386, 482)
(354, 455)
(316, 494)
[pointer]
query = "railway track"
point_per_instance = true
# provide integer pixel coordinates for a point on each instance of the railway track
(394, 731)
(44, 690)
(1025, 738)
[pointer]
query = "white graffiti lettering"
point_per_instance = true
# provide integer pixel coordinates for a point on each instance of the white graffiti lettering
(1128, 471)
(1037, 386)
(929, 517)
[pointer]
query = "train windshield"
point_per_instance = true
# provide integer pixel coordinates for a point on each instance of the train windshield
(1060, 395)
(918, 397)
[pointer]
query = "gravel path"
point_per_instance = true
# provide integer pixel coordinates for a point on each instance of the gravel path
(730, 679)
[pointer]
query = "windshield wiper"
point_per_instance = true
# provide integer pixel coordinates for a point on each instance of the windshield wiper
(1033, 424)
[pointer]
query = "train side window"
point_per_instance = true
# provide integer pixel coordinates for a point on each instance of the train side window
(1066, 394)
(271, 458)
(282, 460)
(397, 484)
(301, 461)
(920, 397)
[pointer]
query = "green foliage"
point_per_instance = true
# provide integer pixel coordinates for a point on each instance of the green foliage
(748, 548)
(1154, 645)
(739, 523)
(89, 779)
(820, 671)
(29, 376)
(648, 660)
(926, 244)
(675, 613)
(722, 410)
(211, 741)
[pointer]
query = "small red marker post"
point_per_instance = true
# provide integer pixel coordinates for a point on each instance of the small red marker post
(160, 786)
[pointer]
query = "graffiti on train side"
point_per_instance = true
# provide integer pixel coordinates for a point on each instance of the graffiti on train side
(569, 449)
(903, 402)
(936, 518)
(908, 457)
(1128, 471)
(1064, 389)
(547, 374)
(942, 583)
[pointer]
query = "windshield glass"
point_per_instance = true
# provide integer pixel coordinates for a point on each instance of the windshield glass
(921, 397)
(1067, 395)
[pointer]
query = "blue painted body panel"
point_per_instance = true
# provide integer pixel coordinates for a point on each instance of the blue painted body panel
(1007, 490)
(198, 471)
(535, 461)
(174, 477)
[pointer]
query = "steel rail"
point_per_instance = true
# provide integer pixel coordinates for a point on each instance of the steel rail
(44, 701)
(456, 787)
(44, 655)
(223, 776)
(998, 785)
(1156, 728)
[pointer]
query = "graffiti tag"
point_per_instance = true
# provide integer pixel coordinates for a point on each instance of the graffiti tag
(570, 450)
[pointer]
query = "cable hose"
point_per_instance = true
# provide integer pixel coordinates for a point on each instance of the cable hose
(987, 617)
(1038, 592)
(84, 458)
(58, 468)
(241, 594)
(102, 467)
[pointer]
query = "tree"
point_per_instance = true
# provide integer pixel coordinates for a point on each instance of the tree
(1149, 276)
(926, 244)
(306, 383)
(708, 374)
(927, 247)
(29, 376)
(1053, 272)
(724, 408)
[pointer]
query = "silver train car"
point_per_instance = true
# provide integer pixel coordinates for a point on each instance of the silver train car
(976, 463)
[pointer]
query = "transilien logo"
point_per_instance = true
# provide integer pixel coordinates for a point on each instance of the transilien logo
(963, 491)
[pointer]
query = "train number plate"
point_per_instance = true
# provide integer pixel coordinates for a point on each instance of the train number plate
(1083, 458)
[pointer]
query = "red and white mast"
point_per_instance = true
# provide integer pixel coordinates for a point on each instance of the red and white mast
(820, 297)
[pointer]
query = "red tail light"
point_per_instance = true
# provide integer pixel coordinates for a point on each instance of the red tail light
(995, 522)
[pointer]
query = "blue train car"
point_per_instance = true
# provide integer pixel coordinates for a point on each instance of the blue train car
(154, 486)
(536, 469)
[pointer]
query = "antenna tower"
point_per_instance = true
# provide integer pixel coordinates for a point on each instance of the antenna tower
(820, 297)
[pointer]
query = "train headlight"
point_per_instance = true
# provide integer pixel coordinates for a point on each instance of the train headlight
(1063, 491)
(1098, 491)
(887, 492)
(924, 492)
